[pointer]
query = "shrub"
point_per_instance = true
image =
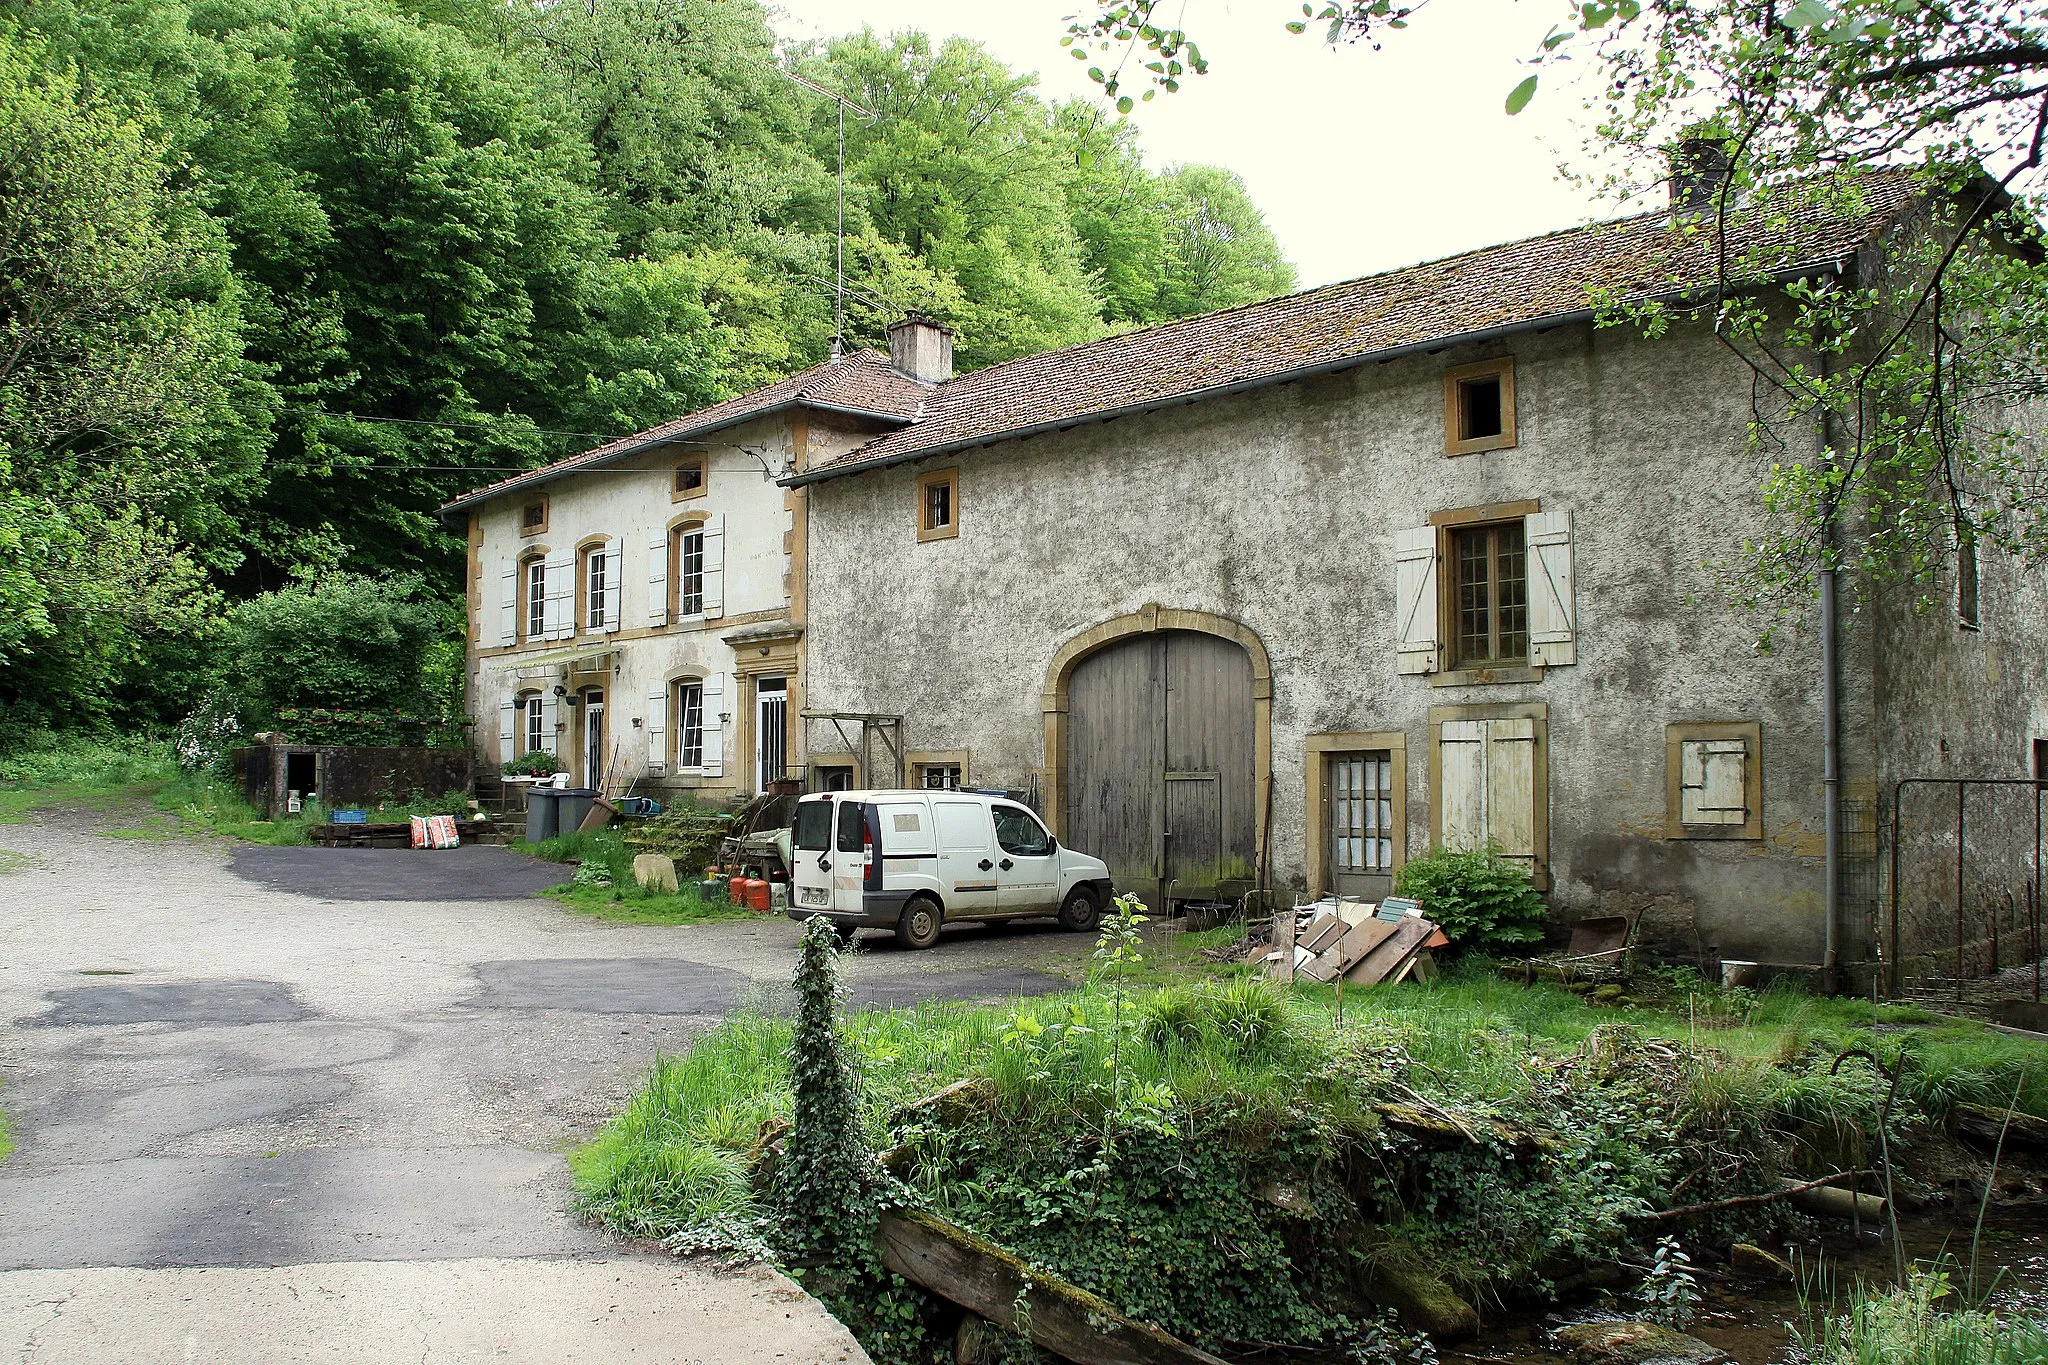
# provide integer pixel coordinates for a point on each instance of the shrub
(342, 641)
(1477, 897)
(537, 763)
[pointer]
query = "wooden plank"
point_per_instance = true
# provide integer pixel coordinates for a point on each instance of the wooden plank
(1360, 939)
(1392, 954)
(1281, 968)
(1324, 930)
(988, 1281)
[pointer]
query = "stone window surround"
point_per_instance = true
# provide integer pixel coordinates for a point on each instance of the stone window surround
(1317, 768)
(936, 758)
(1502, 368)
(950, 477)
(1539, 778)
(537, 528)
(1751, 733)
(677, 493)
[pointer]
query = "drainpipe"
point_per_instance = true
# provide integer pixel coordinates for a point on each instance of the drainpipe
(1830, 725)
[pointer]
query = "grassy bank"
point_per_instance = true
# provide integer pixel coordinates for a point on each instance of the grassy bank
(1241, 1165)
(604, 886)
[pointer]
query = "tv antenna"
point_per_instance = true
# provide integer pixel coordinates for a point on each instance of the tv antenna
(868, 116)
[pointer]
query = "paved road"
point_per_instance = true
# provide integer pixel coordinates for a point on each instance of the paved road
(257, 1124)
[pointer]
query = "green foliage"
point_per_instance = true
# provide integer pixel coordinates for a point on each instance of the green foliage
(1478, 898)
(1669, 1292)
(604, 886)
(533, 763)
(1920, 1322)
(341, 641)
(822, 1187)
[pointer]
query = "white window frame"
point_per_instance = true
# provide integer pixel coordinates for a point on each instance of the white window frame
(689, 712)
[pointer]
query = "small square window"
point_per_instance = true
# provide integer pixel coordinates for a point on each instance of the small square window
(938, 505)
(939, 776)
(533, 518)
(689, 478)
(1479, 407)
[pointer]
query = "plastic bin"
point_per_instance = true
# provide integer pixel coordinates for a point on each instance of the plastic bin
(571, 805)
(543, 814)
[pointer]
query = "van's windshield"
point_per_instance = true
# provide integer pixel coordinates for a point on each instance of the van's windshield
(813, 826)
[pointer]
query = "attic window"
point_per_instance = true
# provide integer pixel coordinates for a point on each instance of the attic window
(689, 478)
(938, 505)
(533, 518)
(1479, 407)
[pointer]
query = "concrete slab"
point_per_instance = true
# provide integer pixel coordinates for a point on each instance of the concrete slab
(525, 1312)
(169, 1002)
(470, 873)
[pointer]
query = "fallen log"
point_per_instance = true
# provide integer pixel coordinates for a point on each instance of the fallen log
(1848, 1205)
(1991, 1125)
(986, 1280)
(1445, 1127)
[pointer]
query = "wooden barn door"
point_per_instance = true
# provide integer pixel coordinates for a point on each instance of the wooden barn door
(1160, 765)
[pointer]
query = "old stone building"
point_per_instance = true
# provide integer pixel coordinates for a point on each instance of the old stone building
(1289, 593)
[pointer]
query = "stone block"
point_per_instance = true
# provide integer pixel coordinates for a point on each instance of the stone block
(655, 871)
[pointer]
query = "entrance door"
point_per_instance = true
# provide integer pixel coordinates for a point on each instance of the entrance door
(1160, 765)
(594, 756)
(771, 731)
(1360, 802)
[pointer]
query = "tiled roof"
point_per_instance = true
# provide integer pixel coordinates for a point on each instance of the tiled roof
(1499, 287)
(863, 381)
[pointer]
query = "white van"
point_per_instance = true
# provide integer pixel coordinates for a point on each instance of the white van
(914, 860)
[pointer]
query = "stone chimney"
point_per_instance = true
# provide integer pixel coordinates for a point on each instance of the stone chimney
(922, 348)
(1700, 170)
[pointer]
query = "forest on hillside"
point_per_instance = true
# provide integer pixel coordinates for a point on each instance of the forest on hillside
(278, 277)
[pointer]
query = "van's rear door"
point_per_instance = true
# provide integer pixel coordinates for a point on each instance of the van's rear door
(850, 855)
(811, 854)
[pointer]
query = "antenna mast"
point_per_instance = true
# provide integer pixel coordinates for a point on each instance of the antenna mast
(867, 116)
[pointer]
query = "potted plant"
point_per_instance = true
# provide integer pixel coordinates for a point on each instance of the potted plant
(535, 765)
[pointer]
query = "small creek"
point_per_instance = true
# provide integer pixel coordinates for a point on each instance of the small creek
(1748, 1318)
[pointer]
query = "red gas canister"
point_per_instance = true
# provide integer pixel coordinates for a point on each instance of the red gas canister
(756, 894)
(736, 890)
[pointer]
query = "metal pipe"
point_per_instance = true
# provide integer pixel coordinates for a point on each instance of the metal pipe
(1831, 783)
(1961, 789)
(1898, 801)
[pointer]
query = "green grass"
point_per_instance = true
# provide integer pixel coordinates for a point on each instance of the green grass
(624, 901)
(1922, 1322)
(6, 1136)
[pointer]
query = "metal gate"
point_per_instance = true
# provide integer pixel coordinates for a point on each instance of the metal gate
(1964, 918)
(1160, 765)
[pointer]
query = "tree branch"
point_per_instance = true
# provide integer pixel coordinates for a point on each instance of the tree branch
(2017, 56)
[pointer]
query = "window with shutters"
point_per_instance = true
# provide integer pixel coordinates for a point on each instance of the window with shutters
(1489, 595)
(1490, 782)
(1714, 780)
(938, 505)
(598, 584)
(688, 574)
(1479, 407)
(689, 480)
(532, 722)
(690, 723)
(533, 598)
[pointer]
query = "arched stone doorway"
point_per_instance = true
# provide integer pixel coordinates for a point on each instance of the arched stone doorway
(1159, 752)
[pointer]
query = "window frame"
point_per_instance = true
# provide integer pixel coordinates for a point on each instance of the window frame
(679, 729)
(1676, 736)
(1501, 368)
(915, 762)
(702, 463)
(533, 605)
(536, 528)
(589, 585)
(949, 479)
(1322, 748)
(531, 716)
(1538, 714)
(1451, 588)
(678, 560)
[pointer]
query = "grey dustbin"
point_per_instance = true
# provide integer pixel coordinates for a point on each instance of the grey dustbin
(572, 804)
(541, 813)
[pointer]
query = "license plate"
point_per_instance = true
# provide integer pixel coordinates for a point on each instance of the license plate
(814, 895)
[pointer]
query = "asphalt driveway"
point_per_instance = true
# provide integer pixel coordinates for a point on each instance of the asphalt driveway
(266, 1110)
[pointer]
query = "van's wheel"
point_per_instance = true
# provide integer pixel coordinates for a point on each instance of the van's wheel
(918, 926)
(1082, 911)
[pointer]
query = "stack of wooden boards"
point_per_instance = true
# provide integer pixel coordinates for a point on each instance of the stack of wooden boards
(1352, 941)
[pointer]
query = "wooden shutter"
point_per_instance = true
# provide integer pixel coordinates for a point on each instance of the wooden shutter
(1552, 618)
(1511, 789)
(1461, 770)
(657, 730)
(1713, 782)
(657, 577)
(614, 590)
(1415, 609)
(550, 714)
(714, 728)
(714, 566)
(507, 741)
(508, 602)
(558, 620)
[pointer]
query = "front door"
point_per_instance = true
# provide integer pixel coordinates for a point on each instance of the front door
(771, 731)
(967, 858)
(1027, 863)
(594, 756)
(1360, 803)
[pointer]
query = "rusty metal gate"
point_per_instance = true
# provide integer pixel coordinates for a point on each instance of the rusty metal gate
(1964, 915)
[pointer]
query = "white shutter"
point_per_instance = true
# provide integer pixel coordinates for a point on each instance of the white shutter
(1547, 536)
(657, 577)
(714, 728)
(1712, 785)
(1511, 789)
(614, 590)
(550, 714)
(1415, 611)
(508, 603)
(506, 739)
(1461, 769)
(559, 611)
(714, 566)
(657, 731)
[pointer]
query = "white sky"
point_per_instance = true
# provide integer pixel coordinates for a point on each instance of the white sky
(1361, 160)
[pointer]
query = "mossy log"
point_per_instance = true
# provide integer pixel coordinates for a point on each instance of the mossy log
(1445, 1128)
(1984, 1124)
(986, 1280)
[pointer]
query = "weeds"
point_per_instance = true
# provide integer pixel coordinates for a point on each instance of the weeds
(606, 853)
(1919, 1322)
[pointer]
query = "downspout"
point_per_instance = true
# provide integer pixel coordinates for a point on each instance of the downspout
(1830, 725)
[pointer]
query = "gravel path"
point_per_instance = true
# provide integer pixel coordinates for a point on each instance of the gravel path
(256, 1123)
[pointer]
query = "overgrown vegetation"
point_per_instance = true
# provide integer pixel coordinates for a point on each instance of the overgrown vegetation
(1478, 898)
(1924, 1321)
(603, 884)
(1504, 1135)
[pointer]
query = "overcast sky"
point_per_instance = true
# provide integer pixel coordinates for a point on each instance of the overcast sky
(1361, 160)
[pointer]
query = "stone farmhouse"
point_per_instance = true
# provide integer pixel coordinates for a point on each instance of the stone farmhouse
(1277, 596)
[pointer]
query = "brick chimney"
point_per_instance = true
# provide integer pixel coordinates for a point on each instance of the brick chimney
(1700, 170)
(922, 348)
